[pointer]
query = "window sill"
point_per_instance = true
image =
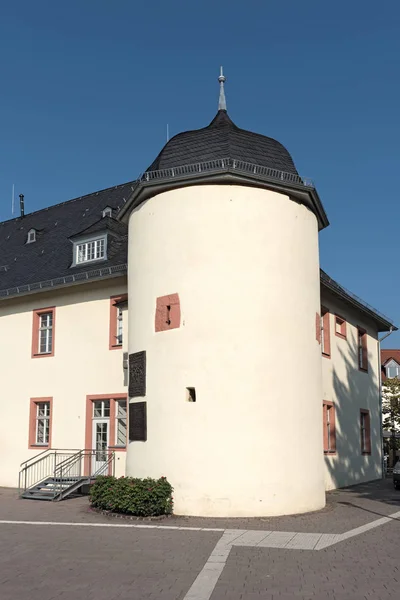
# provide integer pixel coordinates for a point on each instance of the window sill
(117, 448)
(88, 262)
(325, 355)
(329, 452)
(115, 346)
(363, 370)
(340, 335)
(43, 446)
(43, 355)
(366, 453)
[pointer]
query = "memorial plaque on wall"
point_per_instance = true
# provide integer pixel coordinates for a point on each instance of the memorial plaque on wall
(137, 374)
(137, 422)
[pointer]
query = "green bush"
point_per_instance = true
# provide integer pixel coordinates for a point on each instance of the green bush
(131, 496)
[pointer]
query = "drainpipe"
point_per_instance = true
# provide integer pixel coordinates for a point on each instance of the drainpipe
(379, 340)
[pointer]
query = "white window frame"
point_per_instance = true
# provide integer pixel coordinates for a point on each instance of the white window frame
(46, 423)
(31, 236)
(48, 329)
(83, 245)
(119, 328)
(103, 404)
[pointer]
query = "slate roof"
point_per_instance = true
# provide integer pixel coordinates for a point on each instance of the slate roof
(106, 224)
(51, 255)
(223, 139)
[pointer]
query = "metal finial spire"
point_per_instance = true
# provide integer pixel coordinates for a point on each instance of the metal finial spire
(222, 100)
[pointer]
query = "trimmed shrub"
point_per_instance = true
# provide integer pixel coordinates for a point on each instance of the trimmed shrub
(132, 496)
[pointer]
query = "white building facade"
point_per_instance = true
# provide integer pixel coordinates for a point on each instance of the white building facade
(154, 323)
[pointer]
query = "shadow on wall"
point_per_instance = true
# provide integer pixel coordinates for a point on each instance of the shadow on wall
(354, 390)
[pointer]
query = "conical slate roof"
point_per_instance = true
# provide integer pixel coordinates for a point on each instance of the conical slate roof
(223, 139)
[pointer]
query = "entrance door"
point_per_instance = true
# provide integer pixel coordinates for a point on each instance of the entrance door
(100, 434)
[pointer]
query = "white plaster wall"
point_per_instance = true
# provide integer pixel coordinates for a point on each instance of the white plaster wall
(244, 262)
(351, 389)
(82, 365)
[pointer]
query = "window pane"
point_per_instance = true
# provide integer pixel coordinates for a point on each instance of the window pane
(97, 408)
(121, 432)
(392, 372)
(106, 407)
(121, 409)
(43, 409)
(92, 250)
(40, 432)
(119, 326)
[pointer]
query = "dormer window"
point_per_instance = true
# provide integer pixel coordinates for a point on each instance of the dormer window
(107, 212)
(392, 369)
(90, 250)
(31, 236)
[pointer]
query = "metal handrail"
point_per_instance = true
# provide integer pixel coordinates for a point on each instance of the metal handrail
(50, 450)
(71, 458)
(111, 458)
(226, 164)
(60, 465)
(43, 467)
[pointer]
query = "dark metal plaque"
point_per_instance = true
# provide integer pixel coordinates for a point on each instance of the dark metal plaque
(137, 422)
(137, 374)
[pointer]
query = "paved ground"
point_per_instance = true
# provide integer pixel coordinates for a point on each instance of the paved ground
(183, 559)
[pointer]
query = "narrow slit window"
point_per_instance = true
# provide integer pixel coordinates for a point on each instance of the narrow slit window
(362, 350)
(365, 430)
(325, 332)
(329, 419)
(191, 394)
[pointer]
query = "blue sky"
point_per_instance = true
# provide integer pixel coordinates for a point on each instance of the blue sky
(88, 88)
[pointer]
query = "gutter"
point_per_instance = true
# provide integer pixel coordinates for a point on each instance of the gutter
(67, 280)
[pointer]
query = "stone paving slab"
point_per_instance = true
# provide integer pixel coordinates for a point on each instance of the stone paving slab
(361, 568)
(80, 554)
(86, 563)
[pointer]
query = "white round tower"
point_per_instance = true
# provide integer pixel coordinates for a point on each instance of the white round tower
(224, 288)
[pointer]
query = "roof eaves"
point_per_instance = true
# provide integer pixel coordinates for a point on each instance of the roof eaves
(68, 280)
(144, 188)
(383, 322)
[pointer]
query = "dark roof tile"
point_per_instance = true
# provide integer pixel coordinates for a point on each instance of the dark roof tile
(51, 255)
(223, 139)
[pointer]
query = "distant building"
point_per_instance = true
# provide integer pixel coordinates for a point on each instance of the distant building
(390, 367)
(390, 363)
(253, 376)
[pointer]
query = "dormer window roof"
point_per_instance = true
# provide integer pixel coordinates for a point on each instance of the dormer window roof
(31, 236)
(107, 212)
